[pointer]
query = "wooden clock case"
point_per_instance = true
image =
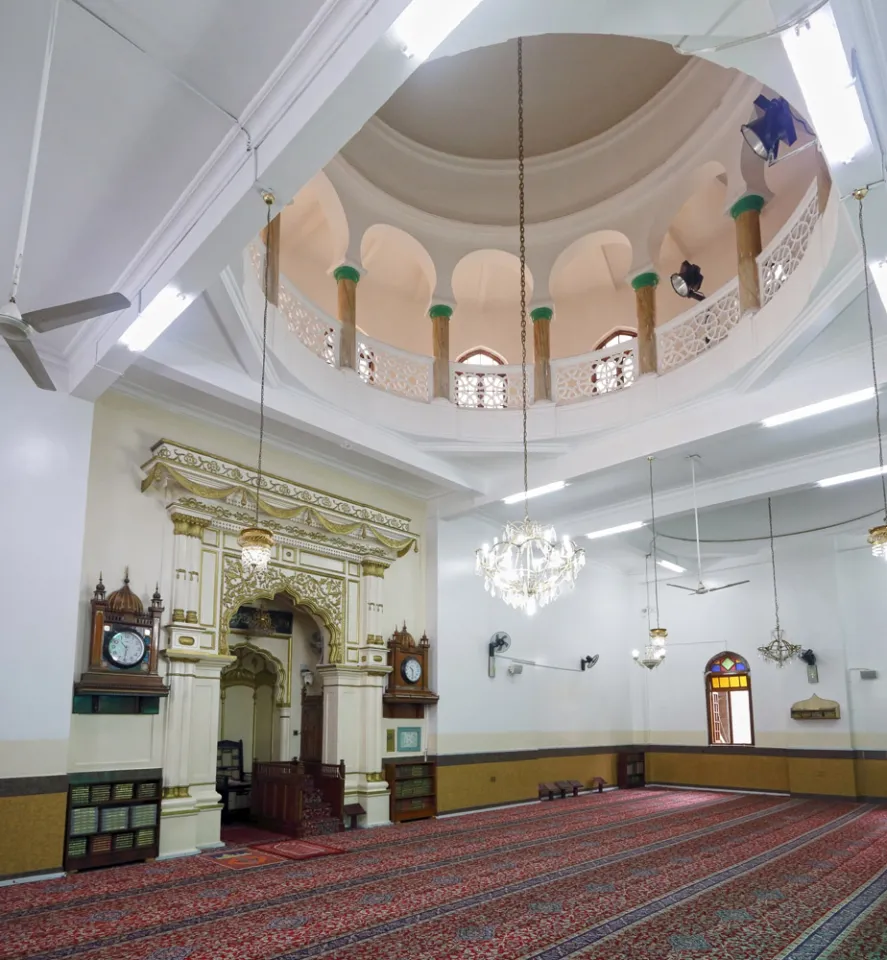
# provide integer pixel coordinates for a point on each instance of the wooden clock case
(122, 610)
(403, 700)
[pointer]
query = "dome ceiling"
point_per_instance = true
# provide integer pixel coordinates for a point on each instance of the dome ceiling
(576, 87)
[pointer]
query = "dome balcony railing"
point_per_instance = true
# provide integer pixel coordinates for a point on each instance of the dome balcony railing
(574, 379)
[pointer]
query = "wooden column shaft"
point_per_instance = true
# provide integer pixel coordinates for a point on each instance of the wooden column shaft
(346, 280)
(440, 331)
(645, 299)
(542, 357)
(747, 214)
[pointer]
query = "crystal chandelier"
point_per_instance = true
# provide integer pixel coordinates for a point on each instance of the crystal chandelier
(877, 535)
(654, 652)
(778, 650)
(528, 566)
(256, 541)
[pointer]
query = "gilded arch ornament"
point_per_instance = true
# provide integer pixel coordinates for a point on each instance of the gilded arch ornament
(322, 595)
(236, 674)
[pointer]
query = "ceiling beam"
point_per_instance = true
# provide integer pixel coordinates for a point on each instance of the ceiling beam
(313, 89)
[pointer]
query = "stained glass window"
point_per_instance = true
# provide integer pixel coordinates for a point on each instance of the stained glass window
(728, 695)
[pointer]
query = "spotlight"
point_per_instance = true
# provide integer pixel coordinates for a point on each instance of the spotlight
(687, 281)
(774, 125)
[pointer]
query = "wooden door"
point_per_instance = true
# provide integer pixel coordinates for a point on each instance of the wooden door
(311, 744)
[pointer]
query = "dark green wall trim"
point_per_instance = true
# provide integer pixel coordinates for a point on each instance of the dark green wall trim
(109, 776)
(753, 751)
(505, 756)
(346, 272)
(642, 280)
(508, 756)
(751, 201)
(33, 786)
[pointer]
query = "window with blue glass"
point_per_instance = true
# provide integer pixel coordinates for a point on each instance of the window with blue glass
(728, 701)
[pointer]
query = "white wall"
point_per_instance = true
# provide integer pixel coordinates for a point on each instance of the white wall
(541, 707)
(44, 462)
(125, 527)
(831, 601)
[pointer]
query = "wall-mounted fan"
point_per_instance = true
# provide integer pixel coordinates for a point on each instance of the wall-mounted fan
(499, 643)
(17, 328)
(701, 588)
(586, 663)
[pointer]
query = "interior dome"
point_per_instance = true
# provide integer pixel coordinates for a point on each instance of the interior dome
(576, 87)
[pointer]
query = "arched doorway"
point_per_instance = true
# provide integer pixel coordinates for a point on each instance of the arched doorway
(287, 638)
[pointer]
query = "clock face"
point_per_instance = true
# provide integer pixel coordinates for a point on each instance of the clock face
(126, 648)
(411, 670)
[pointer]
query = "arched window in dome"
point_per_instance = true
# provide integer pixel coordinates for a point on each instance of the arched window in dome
(616, 337)
(483, 357)
(728, 701)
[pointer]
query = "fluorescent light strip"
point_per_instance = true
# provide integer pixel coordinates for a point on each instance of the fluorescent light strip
(624, 528)
(824, 406)
(850, 477)
(425, 24)
(535, 492)
(820, 64)
(674, 567)
(166, 307)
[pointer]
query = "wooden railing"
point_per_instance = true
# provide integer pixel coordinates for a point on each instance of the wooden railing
(276, 798)
(329, 779)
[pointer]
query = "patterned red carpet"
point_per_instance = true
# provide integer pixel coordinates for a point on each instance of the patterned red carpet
(644, 875)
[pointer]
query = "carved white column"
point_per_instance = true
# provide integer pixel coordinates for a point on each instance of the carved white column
(372, 573)
(284, 720)
(181, 524)
(187, 547)
(190, 807)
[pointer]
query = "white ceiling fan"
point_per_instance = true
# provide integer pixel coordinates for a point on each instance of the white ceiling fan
(701, 588)
(16, 328)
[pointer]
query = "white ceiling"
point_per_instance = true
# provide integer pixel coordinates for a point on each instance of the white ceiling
(125, 132)
(129, 187)
(575, 88)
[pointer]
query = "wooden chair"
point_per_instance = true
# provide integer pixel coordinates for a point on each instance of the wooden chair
(230, 776)
(353, 811)
(569, 786)
(549, 790)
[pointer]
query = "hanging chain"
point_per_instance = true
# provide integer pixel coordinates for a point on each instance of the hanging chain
(773, 564)
(647, 580)
(860, 195)
(522, 220)
(653, 528)
(269, 200)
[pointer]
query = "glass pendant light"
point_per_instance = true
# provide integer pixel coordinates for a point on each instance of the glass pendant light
(528, 566)
(654, 652)
(256, 542)
(778, 650)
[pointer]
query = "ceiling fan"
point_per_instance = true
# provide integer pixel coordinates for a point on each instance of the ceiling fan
(17, 328)
(701, 588)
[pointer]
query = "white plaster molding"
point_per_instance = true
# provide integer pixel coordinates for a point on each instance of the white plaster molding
(277, 112)
(629, 211)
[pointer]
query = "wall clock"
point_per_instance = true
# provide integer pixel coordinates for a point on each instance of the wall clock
(123, 647)
(408, 693)
(411, 670)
